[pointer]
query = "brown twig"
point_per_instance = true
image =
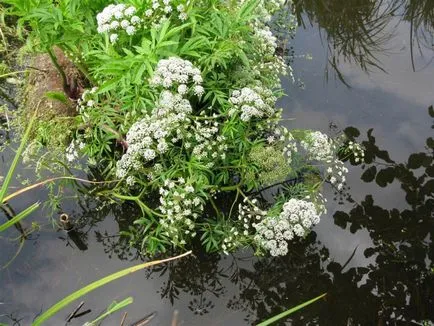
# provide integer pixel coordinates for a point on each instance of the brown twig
(123, 318)
(72, 314)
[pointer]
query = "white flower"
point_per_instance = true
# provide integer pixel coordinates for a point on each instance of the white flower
(114, 24)
(182, 16)
(148, 12)
(130, 11)
(250, 102)
(135, 20)
(113, 38)
(125, 23)
(198, 90)
(130, 30)
(318, 146)
(182, 89)
(177, 72)
(296, 218)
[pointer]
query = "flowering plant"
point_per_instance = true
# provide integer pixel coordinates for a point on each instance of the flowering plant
(182, 109)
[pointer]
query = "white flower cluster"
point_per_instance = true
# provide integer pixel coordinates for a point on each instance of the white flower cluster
(203, 138)
(87, 99)
(152, 135)
(117, 17)
(161, 10)
(357, 150)
(181, 207)
(73, 149)
(178, 73)
(267, 41)
(336, 174)
(249, 214)
(257, 102)
(272, 66)
(296, 219)
(230, 242)
(282, 134)
(318, 147)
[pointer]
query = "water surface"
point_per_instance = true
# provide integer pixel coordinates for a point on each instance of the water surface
(372, 253)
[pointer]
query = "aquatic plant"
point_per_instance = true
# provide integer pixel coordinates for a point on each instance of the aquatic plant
(181, 109)
(8, 178)
(291, 311)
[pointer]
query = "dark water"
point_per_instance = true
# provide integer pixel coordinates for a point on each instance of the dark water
(373, 252)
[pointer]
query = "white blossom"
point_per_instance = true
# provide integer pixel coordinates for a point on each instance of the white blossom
(257, 102)
(296, 219)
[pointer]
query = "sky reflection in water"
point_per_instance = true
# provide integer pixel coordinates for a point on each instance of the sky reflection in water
(373, 253)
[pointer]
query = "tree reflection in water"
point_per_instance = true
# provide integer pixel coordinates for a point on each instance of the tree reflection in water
(397, 286)
(359, 31)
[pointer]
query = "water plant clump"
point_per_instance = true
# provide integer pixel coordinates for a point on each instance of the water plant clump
(180, 108)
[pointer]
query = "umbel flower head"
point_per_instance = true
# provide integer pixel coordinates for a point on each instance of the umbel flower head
(176, 73)
(296, 219)
(115, 18)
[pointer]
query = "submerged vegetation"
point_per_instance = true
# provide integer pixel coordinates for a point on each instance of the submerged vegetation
(175, 103)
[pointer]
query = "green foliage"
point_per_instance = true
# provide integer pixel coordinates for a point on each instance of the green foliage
(58, 96)
(180, 109)
(272, 165)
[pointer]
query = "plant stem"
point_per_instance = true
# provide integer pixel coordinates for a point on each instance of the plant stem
(214, 206)
(58, 68)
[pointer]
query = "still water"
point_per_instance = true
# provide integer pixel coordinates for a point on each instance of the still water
(367, 69)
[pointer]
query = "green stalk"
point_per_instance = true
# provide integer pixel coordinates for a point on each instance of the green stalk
(113, 308)
(58, 68)
(29, 210)
(20, 150)
(290, 311)
(93, 286)
(13, 73)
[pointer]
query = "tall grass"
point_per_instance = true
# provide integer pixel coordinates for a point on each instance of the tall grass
(10, 174)
(95, 285)
(290, 311)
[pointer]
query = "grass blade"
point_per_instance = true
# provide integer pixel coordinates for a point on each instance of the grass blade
(20, 150)
(290, 311)
(29, 210)
(93, 286)
(113, 308)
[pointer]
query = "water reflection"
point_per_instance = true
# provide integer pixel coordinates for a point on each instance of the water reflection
(396, 286)
(359, 31)
(393, 285)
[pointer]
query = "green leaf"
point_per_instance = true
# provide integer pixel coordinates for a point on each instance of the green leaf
(95, 285)
(16, 159)
(107, 86)
(29, 210)
(247, 9)
(113, 308)
(58, 96)
(290, 311)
